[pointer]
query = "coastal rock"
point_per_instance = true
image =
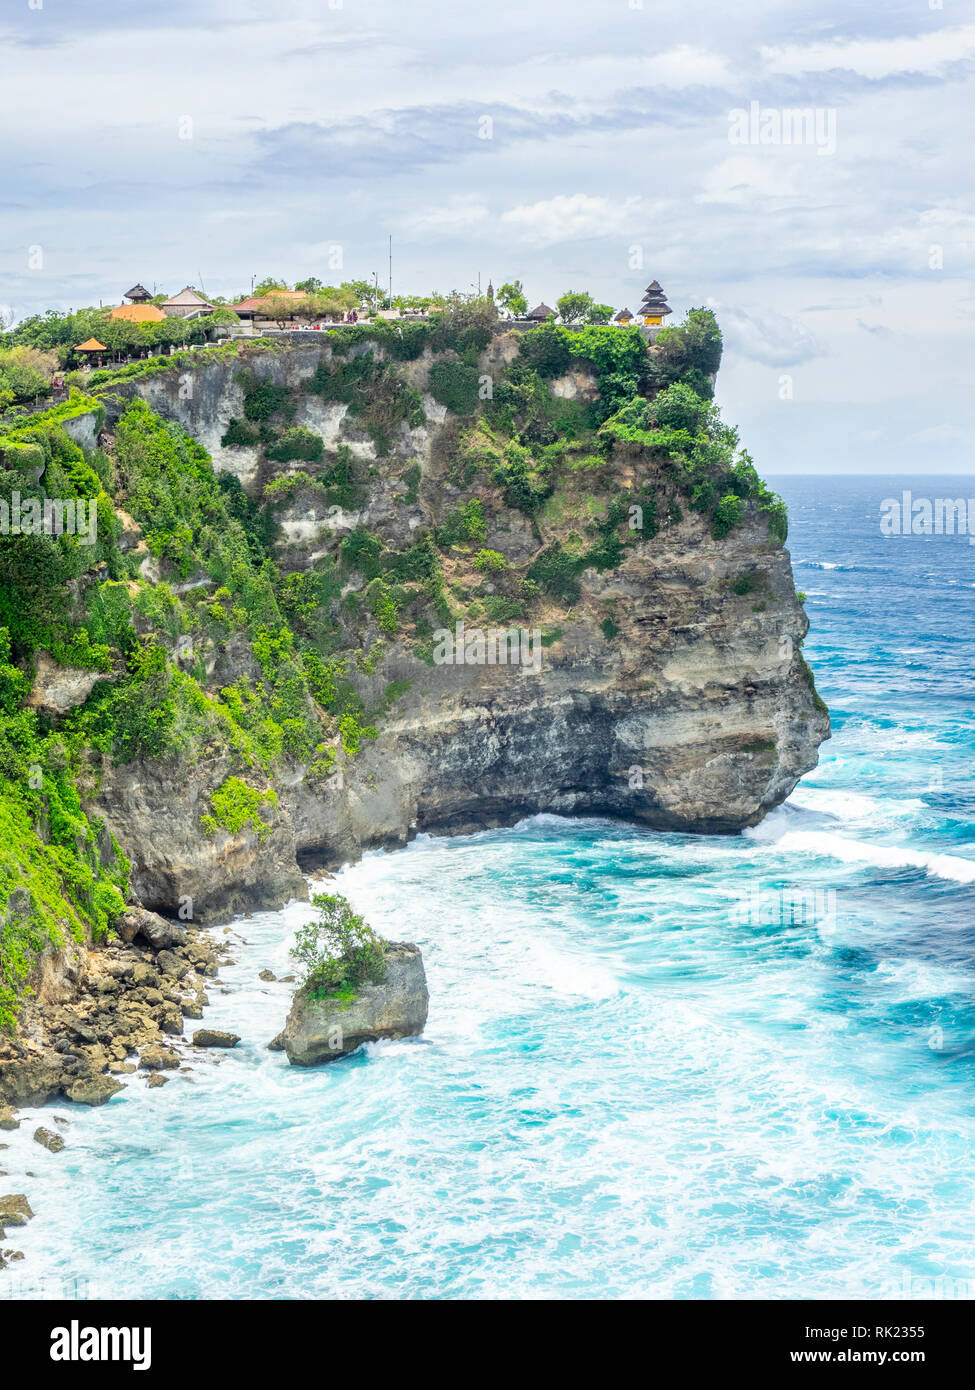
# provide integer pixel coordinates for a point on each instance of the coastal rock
(48, 1140)
(210, 1037)
(155, 1057)
(322, 1030)
(154, 929)
(93, 1090)
(30, 1080)
(8, 1118)
(15, 1210)
(171, 965)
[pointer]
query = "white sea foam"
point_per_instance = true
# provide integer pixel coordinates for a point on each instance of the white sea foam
(852, 805)
(952, 867)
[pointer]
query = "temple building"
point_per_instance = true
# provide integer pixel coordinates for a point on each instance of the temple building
(654, 308)
(187, 305)
(624, 318)
(542, 312)
(252, 312)
(138, 294)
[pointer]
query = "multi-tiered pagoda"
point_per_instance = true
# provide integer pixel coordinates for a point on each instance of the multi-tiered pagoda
(654, 308)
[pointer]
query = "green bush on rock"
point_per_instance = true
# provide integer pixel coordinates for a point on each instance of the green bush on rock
(338, 952)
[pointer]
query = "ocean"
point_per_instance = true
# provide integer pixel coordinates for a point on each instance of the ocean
(655, 1065)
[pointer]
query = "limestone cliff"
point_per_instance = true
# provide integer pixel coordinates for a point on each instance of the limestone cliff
(671, 691)
(247, 674)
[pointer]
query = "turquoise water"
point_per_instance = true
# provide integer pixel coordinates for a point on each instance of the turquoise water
(655, 1064)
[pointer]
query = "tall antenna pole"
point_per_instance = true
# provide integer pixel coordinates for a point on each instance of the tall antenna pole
(391, 271)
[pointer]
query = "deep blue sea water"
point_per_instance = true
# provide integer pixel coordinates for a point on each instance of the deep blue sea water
(655, 1064)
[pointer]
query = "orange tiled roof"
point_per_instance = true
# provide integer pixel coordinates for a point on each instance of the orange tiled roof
(92, 345)
(138, 313)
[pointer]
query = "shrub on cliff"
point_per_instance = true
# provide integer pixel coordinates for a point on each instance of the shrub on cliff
(239, 434)
(381, 602)
(546, 349)
(338, 952)
(522, 478)
(236, 807)
(61, 874)
(341, 481)
(455, 385)
(262, 399)
(465, 523)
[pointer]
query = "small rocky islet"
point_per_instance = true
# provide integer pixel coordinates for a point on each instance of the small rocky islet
(325, 1029)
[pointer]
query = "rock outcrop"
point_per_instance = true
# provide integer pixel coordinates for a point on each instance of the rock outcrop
(212, 1037)
(95, 1009)
(323, 1030)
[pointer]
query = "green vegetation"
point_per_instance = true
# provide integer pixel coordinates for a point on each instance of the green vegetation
(297, 443)
(237, 807)
(61, 876)
(338, 952)
(462, 525)
(511, 297)
(490, 562)
(577, 306)
(207, 651)
(455, 385)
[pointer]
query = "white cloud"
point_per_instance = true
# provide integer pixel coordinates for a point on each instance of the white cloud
(458, 216)
(573, 217)
(742, 178)
(939, 434)
(765, 336)
(922, 53)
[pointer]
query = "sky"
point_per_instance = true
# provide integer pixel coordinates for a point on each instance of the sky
(573, 144)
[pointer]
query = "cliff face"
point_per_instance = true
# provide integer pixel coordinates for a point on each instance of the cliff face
(696, 717)
(349, 588)
(670, 688)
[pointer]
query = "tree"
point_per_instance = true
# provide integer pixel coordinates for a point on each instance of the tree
(600, 313)
(688, 351)
(25, 372)
(268, 286)
(365, 292)
(339, 951)
(411, 301)
(329, 304)
(511, 297)
(221, 318)
(310, 286)
(279, 308)
(575, 306)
